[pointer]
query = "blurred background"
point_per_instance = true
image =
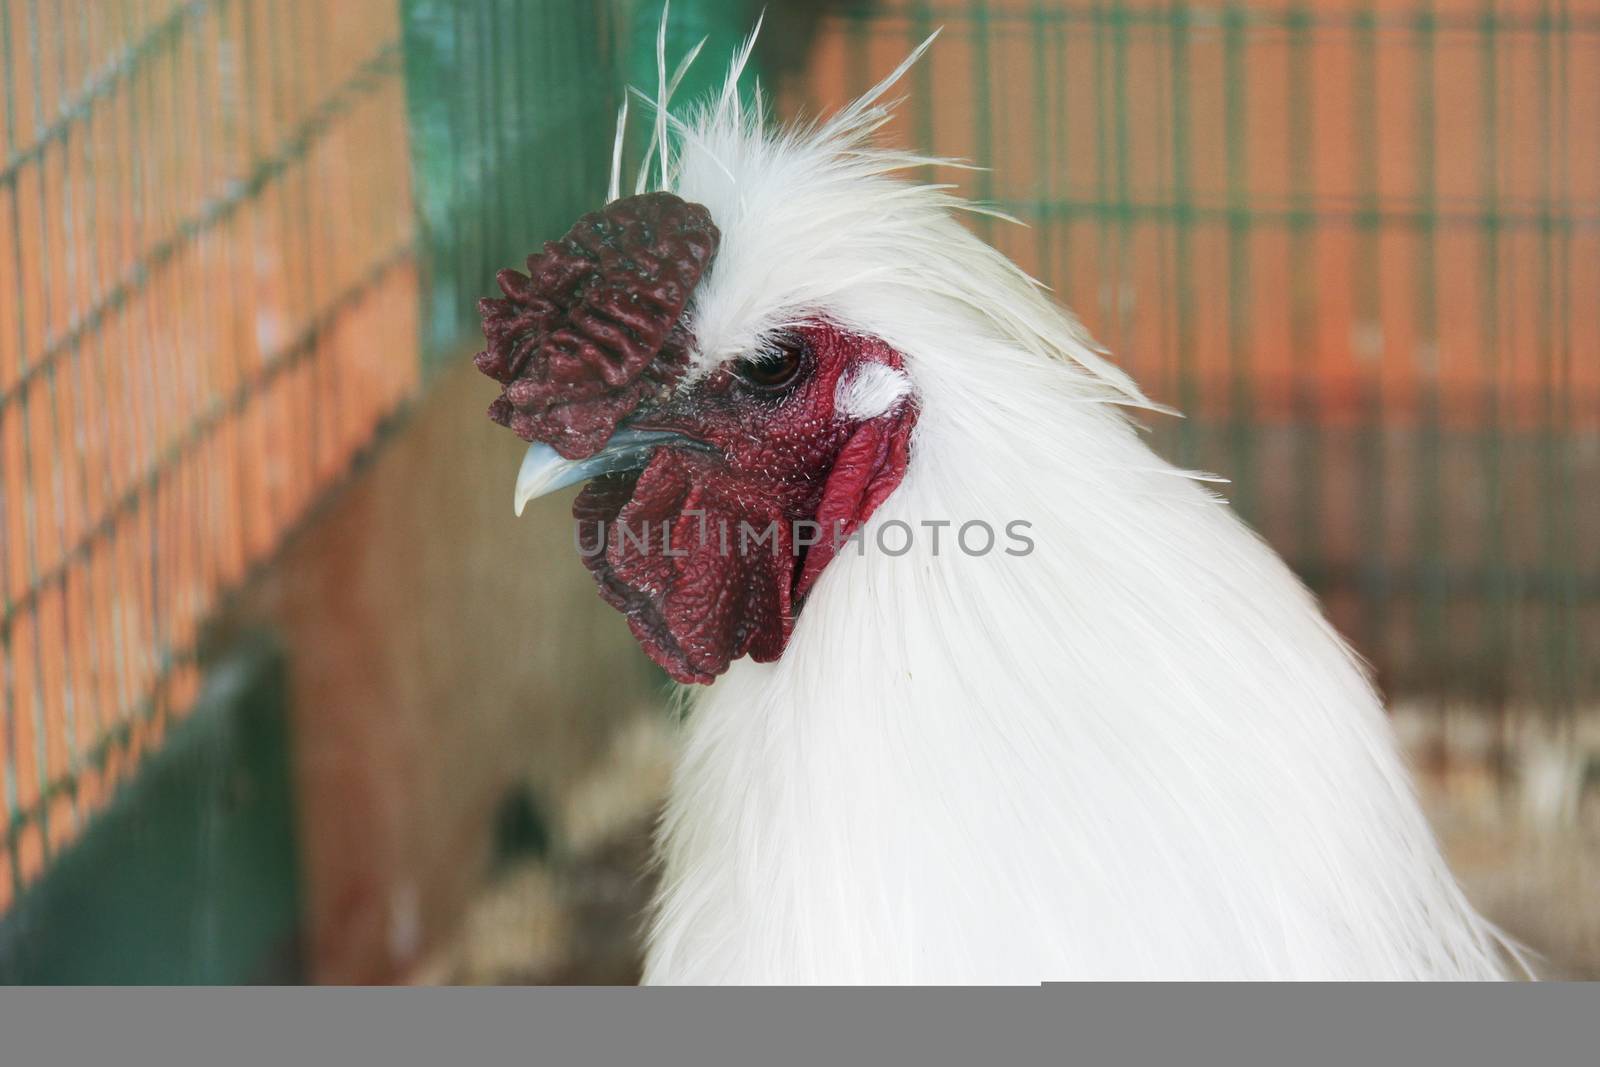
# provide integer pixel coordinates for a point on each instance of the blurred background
(287, 695)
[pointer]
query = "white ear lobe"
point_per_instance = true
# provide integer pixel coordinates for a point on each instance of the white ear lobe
(869, 391)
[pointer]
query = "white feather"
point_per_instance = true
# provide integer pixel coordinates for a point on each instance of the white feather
(614, 190)
(1138, 751)
(870, 391)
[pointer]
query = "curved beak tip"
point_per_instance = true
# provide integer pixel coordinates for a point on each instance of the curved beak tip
(544, 470)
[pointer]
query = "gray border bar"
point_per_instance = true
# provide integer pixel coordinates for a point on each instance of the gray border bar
(1144, 1025)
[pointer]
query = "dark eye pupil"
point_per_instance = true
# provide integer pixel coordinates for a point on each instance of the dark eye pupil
(772, 371)
(775, 368)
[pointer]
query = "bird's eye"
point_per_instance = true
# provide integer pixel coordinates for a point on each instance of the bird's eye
(774, 369)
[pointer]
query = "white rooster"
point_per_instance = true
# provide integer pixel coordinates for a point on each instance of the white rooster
(1035, 705)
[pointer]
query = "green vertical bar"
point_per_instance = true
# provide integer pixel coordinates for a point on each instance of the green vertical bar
(30, 505)
(327, 391)
(501, 147)
(1549, 483)
(1102, 155)
(71, 222)
(921, 24)
(250, 133)
(306, 186)
(283, 95)
(1121, 168)
(1567, 494)
(1432, 639)
(1183, 225)
(983, 113)
(125, 241)
(1555, 508)
(8, 694)
(1367, 307)
(1240, 399)
(858, 64)
(515, 76)
(481, 259)
(98, 657)
(1496, 638)
(464, 234)
(1062, 182)
(1042, 169)
(165, 128)
(1305, 292)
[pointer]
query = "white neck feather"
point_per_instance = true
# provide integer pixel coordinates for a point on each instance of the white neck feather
(1138, 751)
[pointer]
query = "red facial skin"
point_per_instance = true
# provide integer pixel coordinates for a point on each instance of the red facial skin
(712, 591)
(699, 551)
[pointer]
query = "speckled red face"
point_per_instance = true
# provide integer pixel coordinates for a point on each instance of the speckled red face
(716, 505)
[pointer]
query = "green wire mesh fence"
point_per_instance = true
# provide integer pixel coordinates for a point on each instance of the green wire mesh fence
(1357, 242)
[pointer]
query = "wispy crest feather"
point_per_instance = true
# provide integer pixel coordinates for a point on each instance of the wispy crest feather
(828, 191)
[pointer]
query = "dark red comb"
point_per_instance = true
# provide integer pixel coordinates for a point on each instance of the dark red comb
(593, 329)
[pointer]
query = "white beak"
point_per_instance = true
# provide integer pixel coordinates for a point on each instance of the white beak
(544, 470)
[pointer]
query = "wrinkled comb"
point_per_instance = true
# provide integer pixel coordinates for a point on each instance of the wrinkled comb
(594, 328)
